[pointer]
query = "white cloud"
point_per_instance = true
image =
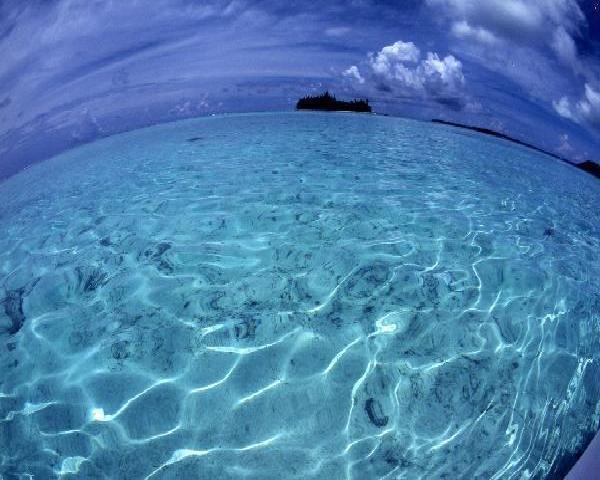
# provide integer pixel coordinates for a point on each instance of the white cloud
(584, 111)
(400, 68)
(391, 56)
(508, 17)
(524, 22)
(531, 39)
(563, 108)
(446, 72)
(354, 73)
(462, 29)
(565, 48)
(589, 105)
(401, 64)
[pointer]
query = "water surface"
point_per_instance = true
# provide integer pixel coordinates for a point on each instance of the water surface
(299, 296)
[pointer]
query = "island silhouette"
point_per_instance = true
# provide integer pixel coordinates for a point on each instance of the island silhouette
(329, 103)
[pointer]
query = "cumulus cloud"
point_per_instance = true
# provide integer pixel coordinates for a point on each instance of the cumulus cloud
(585, 111)
(392, 56)
(354, 73)
(400, 67)
(442, 74)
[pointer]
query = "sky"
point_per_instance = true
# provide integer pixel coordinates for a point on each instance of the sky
(72, 71)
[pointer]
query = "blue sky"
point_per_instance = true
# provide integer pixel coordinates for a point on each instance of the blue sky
(74, 70)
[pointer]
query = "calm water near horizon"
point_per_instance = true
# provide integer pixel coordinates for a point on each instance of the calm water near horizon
(298, 295)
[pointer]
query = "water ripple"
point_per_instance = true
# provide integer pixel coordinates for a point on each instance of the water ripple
(362, 307)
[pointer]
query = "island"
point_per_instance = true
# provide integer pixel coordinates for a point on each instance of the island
(329, 103)
(588, 166)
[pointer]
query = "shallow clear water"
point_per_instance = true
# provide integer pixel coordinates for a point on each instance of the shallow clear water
(298, 296)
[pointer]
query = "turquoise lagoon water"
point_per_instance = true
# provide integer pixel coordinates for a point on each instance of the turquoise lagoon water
(303, 296)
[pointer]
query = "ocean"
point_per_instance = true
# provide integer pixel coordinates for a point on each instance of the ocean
(298, 296)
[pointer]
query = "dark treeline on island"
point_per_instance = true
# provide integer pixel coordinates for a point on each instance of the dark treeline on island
(587, 166)
(329, 103)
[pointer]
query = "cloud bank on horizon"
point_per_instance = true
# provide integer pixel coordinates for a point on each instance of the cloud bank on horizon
(399, 67)
(74, 70)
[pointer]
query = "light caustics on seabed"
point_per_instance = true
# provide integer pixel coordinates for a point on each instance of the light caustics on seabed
(298, 296)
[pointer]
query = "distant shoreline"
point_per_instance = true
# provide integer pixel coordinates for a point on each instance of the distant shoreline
(587, 166)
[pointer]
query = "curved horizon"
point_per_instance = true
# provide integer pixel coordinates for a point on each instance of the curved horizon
(528, 70)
